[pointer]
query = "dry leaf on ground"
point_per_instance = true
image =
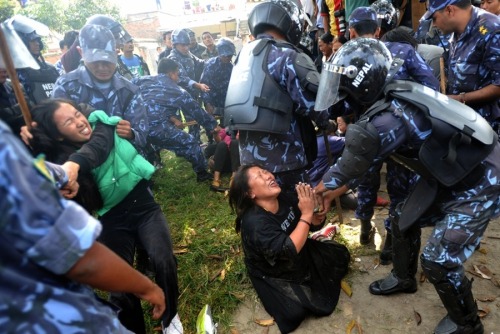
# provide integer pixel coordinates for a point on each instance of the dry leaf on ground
(483, 311)
(346, 288)
(418, 317)
(483, 271)
(264, 322)
(353, 324)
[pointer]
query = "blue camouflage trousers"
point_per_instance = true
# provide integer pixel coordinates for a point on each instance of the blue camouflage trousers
(183, 145)
(458, 229)
(400, 181)
(459, 219)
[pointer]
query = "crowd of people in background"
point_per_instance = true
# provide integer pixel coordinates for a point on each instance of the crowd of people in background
(283, 136)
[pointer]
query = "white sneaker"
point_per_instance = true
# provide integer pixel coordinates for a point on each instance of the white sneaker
(326, 233)
(175, 326)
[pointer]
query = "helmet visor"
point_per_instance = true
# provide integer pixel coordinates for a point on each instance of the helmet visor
(121, 35)
(21, 57)
(328, 90)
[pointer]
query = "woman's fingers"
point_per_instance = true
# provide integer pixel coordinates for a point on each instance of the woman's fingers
(304, 189)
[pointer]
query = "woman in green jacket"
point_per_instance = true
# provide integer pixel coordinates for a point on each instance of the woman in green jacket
(122, 199)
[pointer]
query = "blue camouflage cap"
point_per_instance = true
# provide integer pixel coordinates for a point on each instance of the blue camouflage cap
(362, 14)
(97, 43)
(435, 5)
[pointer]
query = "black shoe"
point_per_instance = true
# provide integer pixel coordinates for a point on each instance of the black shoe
(204, 176)
(447, 326)
(392, 284)
(217, 186)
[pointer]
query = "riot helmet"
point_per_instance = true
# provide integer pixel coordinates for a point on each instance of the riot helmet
(225, 47)
(29, 30)
(287, 16)
(358, 71)
(387, 15)
(120, 34)
(180, 36)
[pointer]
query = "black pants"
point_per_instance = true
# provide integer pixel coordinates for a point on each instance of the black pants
(290, 302)
(226, 159)
(139, 219)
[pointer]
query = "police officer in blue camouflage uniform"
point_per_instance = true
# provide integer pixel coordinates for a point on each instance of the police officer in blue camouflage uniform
(271, 94)
(195, 48)
(49, 255)
(428, 34)
(97, 84)
(216, 75)
(163, 97)
(473, 64)
(38, 83)
(452, 148)
(367, 22)
(190, 69)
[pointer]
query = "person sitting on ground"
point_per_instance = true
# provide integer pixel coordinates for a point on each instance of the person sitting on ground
(223, 156)
(50, 258)
(163, 98)
(293, 275)
(129, 213)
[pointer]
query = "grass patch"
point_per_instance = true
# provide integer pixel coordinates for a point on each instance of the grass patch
(210, 259)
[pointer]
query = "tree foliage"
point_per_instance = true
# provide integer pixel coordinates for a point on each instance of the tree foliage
(60, 15)
(49, 12)
(80, 10)
(6, 9)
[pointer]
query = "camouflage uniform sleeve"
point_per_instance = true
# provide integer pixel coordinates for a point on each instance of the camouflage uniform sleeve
(206, 78)
(303, 98)
(52, 232)
(491, 59)
(59, 91)
(392, 134)
(24, 80)
(137, 116)
(184, 80)
(192, 108)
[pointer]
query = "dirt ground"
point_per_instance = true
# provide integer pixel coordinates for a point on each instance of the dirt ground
(389, 314)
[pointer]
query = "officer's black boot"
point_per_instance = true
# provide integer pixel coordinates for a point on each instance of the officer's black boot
(462, 310)
(367, 231)
(386, 254)
(405, 249)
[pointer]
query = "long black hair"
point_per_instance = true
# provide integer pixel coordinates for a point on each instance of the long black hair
(47, 140)
(239, 199)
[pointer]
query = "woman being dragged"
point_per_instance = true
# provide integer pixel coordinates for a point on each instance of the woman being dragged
(128, 212)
